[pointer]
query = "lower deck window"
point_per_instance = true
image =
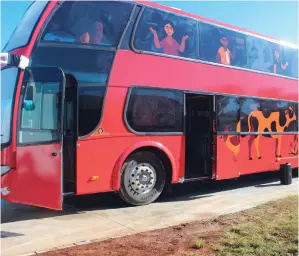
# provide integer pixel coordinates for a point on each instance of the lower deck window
(155, 110)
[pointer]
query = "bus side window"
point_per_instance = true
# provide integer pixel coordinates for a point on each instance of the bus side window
(289, 60)
(152, 110)
(237, 42)
(209, 42)
(163, 32)
(222, 46)
(247, 107)
(293, 125)
(228, 113)
(259, 54)
(40, 123)
(89, 22)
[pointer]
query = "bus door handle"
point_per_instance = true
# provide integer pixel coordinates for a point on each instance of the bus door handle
(55, 153)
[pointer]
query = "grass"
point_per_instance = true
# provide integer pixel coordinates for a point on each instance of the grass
(198, 244)
(270, 229)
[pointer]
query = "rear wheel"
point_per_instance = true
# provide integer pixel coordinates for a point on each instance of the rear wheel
(142, 178)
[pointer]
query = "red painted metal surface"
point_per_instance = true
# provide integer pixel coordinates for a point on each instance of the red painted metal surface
(104, 157)
(165, 72)
(37, 177)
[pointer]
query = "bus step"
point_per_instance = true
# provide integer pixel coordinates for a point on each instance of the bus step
(69, 194)
(196, 179)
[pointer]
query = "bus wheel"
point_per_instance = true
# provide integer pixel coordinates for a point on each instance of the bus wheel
(142, 178)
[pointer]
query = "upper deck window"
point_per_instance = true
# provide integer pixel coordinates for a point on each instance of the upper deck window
(286, 61)
(89, 22)
(272, 58)
(259, 54)
(22, 33)
(222, 46)
(166, 33)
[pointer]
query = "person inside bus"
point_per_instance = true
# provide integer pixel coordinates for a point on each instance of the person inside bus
(278, 67)
(169, 44)
(93, 36)
(224, 55)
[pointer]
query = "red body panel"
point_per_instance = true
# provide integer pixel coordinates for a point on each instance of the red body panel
(165, 72)
(104, 157)
(37, 178)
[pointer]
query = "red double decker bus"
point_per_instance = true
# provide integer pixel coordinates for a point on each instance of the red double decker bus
(132, 96)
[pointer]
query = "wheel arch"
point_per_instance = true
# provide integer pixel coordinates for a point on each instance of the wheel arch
(162, 152)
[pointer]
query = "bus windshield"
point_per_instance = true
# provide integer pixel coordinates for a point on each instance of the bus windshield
(8, 86)
(22, 33)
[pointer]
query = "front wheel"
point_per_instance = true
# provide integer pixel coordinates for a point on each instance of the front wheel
(142, 179)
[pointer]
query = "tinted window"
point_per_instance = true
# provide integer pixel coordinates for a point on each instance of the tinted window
(277, 115)
(222, 46)
(293, 114)
(42, 116)
(259, 54)
(166, 33)
(247, 107)
(280, 63)
(228, 113)
(151, 110)
(8, 86)
(22, 33)
(101, 23)
(126, 41)
(91, 69)
(285, 61)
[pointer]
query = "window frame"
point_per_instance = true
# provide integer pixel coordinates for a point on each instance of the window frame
(144, 7)
(39, 40)
(128, 96)
(198, 31)
(72, 46)
(40, 43)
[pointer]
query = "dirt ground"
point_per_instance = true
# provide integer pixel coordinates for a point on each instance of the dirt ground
(176, 240)
(181, 240)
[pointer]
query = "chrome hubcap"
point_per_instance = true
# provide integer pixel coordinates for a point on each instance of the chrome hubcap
(140, 179)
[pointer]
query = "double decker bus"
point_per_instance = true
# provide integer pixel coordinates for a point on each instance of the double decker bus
(133, 96)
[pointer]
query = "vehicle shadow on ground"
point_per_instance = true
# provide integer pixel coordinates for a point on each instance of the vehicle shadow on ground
(105, 201)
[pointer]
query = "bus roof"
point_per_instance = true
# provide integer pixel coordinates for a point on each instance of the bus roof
(218, 23)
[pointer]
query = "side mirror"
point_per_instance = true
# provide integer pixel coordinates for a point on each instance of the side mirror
(29, 97)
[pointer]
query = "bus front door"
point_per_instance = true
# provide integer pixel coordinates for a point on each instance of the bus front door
(39, 157)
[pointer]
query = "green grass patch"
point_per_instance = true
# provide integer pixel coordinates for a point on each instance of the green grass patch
(199, 244)
(270, 229)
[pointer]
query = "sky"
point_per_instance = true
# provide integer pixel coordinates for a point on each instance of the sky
(278, 19)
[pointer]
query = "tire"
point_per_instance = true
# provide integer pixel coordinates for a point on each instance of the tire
(142, 178)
